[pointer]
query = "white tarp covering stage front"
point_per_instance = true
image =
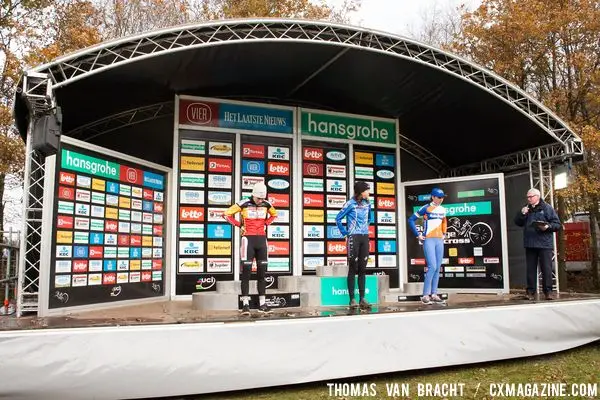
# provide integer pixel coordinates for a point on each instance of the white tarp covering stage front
(170, 360)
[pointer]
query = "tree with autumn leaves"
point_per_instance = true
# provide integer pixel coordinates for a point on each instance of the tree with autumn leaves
(551, 50)
(33, 32)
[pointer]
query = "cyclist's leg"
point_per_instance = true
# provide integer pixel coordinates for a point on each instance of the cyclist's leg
(261, 246)
(439, 254)
(246, 255)
(352, 264)
(430, 259)
(363, 258)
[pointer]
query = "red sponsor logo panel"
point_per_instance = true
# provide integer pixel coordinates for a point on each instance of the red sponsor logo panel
(279, 168)
(386, 203)
(312, 169)
(191, 214)
(371, 231)
(146, 276)
(64, 222)
(158, 207)
(314, 200)
(156, 264)
(148, 194)
(157, 230)
(109, 279)
(279, 248)
(123, 240)
(336, 247)
(111, 226)
(194, 112)
(466, 260)
(253, 151)
(80, 266)
(135, 240)
(66, 178)
(96, 251)
(66, 193)
(371, 246)
(279, 200)
(131, 175)
(220, 165)
(313, 153)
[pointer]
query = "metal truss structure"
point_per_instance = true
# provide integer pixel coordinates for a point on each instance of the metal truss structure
(37, 91)
(39, 85)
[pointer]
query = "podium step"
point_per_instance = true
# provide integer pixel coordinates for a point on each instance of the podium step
(275, 298)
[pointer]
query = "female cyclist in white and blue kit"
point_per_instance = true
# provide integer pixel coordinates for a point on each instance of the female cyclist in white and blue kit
(432, 237)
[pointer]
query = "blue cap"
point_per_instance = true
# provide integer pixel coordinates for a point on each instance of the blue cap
(437, 192)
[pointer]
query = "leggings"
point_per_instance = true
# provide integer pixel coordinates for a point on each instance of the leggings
(254, 247)
(358, 255)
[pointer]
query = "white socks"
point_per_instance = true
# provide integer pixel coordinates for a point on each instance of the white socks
(261, 300)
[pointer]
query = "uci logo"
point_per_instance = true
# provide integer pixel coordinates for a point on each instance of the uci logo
(206, 283)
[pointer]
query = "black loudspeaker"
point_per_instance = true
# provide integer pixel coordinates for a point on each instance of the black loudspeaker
(45, 137)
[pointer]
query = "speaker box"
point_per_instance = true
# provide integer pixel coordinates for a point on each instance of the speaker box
(45, 137)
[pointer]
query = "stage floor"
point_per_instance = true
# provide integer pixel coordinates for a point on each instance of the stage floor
(181, 312)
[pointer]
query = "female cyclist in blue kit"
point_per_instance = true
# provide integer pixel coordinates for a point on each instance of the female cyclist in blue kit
(357, 212)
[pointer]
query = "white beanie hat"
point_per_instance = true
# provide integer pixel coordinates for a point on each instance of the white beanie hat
(260, 190)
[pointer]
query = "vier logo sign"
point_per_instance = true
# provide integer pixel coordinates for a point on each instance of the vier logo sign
(199, 113)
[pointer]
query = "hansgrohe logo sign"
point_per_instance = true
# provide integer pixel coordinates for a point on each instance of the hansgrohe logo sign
(90, 165)
(349, 127)
(455, 210)
(334, 290)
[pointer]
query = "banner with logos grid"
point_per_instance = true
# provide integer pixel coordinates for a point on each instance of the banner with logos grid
(324, 191)
(377, 167)
(107, 236)
(205, 191)
(271, 163)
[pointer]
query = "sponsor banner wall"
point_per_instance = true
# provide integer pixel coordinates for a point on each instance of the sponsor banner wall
(325, 188)
(204, 238)
(208, 185)
(473, 255)
(270, 161)
(107, 232)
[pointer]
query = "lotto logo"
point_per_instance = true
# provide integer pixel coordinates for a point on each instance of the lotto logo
(66, 178)
(311, 153)
(386, 203)
(277, 168)
(191, 214)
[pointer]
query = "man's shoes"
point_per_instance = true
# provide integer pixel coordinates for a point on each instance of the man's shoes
(426, 300)
(245, 310)
(353, 304)
(364, 305)
(549, 296)
(264, 309)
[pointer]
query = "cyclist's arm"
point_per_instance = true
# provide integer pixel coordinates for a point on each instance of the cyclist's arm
(272, 214)
(229, 215)
(413, 218)
(340, 215)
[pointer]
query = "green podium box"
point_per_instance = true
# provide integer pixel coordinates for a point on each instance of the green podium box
(334, 290)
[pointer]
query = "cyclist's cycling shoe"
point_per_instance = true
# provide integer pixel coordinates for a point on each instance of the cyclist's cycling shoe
(264, 309)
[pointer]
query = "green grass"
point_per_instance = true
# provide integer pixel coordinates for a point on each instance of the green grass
(576, 366)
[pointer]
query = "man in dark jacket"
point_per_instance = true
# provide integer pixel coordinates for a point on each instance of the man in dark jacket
(539, 221)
